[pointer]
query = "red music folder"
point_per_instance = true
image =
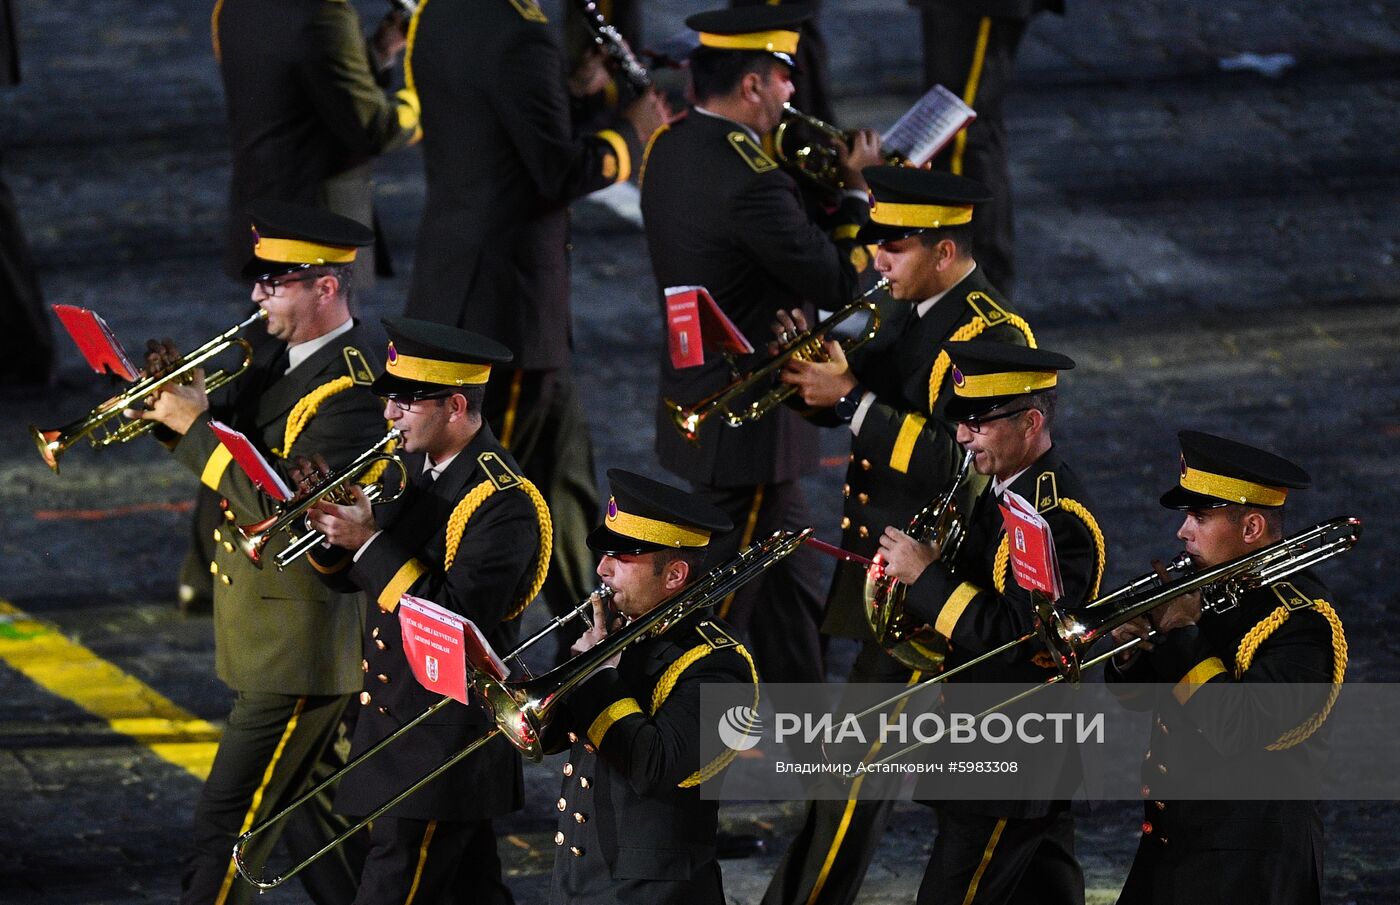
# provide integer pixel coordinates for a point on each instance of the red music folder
(695, 323)
(96, 341)
(1034, 564)
(251, 460)
(434, 643)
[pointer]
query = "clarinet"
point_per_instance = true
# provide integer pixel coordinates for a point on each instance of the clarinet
(608, 38)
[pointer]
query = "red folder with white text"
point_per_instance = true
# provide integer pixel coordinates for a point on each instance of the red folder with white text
(1034, 564)
(96, 341)
(695, 323)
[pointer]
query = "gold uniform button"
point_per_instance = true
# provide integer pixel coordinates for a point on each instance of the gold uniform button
(583, 782)
(845, 522)
(365, 698)
(580, 818)
(568, 769)
(374, 632)
(228, 546)
(851, 457)
(1147, 828)
(561, 804)
(864, 531)
(383, 678)
(576, 851)
(559, 838)
(865, 464)
(1162, 839)
(588, 746)
(364, 666)
(213, 568)
(1161, 805)
(383, 710)
(229, 516)
(846, 490)
(863, 498)
(1162, 768)
(225, 579)
(573, 737)
(218, 535)
(380, 644)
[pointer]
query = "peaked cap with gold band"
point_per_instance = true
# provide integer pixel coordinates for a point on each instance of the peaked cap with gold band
(289, 237)
(987, 374)
(645, 515)
(425, 358)
(907, 201)
(1217, 472)
(766, 29)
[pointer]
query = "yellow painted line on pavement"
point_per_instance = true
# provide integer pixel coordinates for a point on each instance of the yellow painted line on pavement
(131, 707)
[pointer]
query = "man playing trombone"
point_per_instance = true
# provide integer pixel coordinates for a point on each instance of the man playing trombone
(471, 535)
(632, 825)
(891, 394)
(1004, 408)
(1284, 633)
(285, 643)
(742, 232)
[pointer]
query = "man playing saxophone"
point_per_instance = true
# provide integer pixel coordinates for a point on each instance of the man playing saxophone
(286, 644)
(632, 825)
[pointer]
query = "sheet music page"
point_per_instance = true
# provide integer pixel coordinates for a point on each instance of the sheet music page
(928, 125)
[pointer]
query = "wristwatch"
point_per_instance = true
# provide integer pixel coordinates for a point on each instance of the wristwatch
(845, 407)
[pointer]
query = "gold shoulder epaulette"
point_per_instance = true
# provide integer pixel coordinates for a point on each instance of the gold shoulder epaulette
(1290, 596)
(716, 637)
(357, 367)
(753, 155)
(498, 472)
(529, 10)
(986, 308)
(1047, 492)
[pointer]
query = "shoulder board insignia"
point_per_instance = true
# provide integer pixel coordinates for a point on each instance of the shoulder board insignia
(753, 155)
(986, 308)
(1047, 493)
(716, 637)
(1290, 596)
(529, 10)
(357, 367)
(497, 471)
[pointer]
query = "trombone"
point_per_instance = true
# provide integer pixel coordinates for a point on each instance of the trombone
(806, 345)
(253, 537)
(524, 711)
(818, 162)
(1221, 588)
(54, 443)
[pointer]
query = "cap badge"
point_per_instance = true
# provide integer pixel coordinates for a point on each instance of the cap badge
(612, 507)
(393, 354)
(1183, 465)
(958, 378)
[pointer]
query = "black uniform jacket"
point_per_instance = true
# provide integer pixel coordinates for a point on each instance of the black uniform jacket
(905, 455)
(502, 165)
(1006, 9)
(284, 632)
(1257, 850)
(9, 45)
(978, 606)
(490, 572)
(305, 111)
(720, 214)
(630, 808)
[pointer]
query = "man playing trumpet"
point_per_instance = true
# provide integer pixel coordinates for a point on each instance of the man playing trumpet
(466, 534)
(285, 643)
(632, 825)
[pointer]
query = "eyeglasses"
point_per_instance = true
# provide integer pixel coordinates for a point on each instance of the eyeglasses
(270, 286)
(410, 404)
(976, 422)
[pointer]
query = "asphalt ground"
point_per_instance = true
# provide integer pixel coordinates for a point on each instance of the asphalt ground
(1216, 249)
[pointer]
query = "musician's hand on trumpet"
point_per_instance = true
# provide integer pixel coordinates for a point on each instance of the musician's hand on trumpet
(605, 621)
(905, 559)
(862, 150)
(1140, 629)
(174, 405)
(350, 525)
(821, 379)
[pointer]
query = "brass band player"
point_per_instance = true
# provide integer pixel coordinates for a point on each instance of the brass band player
(632, 825)
(465, 534)
(288, 645)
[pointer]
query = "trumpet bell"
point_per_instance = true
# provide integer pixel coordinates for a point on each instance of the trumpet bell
(50, 444)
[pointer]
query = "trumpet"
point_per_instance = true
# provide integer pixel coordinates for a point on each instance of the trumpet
(524, 712)
(252, 538)
(603, 592)
(816, 161)
(905, 638)
(54, 443)
(806, 345)
(1221, 588)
